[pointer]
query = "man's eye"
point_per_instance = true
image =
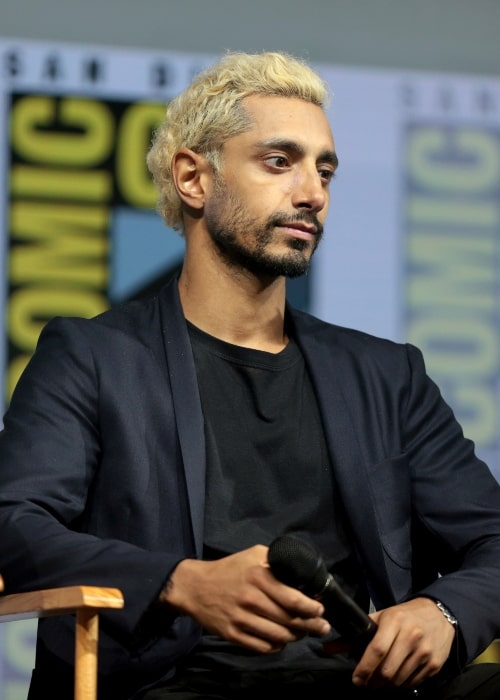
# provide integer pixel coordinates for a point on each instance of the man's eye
(277, 161)
(326, 174)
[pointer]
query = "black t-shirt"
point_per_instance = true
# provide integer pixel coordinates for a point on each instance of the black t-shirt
(268, 472)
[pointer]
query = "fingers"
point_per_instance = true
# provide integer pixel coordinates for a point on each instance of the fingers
(392, 667)
(260, 634)
(238, 598)
(289, 607)
(412, 643)
(274, 614)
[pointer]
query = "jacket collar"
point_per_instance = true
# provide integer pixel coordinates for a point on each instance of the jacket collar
(187, 405)
(332, 380)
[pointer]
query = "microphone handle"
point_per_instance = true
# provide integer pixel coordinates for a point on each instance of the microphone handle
(299, 565)
(346, 616)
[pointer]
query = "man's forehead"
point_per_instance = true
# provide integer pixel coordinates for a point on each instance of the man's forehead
(275, 116)
(262, 104)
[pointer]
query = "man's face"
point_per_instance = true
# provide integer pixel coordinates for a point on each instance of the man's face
(269, 202)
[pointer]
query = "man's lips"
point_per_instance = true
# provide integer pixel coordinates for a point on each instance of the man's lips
(300, 229)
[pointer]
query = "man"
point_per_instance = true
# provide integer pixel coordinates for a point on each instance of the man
(161, 447)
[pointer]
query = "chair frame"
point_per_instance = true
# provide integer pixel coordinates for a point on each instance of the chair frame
(83, 601)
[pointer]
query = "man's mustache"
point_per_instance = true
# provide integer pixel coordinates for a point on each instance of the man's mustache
(281, 219)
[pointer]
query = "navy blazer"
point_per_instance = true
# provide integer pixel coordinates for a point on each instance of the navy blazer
(102, 474)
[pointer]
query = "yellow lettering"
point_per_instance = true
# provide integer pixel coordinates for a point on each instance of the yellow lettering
(479, 405)
(69, 243)
(453, 346)
(50, 183)
(447, 211)
(71, 131)
(451, 283)
(452, 271)
(477, 169)
(134, 137)
(31, 307)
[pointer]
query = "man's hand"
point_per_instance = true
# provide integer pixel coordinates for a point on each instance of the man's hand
(238, 598)
(412, 643)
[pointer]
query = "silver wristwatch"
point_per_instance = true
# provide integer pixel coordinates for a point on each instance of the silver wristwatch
(451, 618)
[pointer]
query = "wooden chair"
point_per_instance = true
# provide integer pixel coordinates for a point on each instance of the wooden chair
(83, 601)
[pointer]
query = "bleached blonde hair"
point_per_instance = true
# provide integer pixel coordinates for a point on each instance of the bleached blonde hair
(210, 111)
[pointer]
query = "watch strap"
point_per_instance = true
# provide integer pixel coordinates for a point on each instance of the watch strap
(448, 615)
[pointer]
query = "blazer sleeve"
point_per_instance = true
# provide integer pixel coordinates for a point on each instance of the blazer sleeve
(457, 503)
(60, 496)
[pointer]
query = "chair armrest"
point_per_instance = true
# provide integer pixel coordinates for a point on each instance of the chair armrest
(57, 601)
(85, 602)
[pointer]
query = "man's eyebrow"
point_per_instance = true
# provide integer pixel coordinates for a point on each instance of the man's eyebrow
(327, 156)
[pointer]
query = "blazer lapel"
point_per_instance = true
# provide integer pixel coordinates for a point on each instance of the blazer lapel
(332, 375)
(187, 405)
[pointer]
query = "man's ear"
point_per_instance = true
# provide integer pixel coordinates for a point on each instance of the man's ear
(191, 174)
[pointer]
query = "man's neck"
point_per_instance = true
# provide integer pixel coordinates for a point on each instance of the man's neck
(236, 307)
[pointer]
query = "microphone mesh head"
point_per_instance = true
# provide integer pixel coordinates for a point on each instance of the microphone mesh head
(297, 564)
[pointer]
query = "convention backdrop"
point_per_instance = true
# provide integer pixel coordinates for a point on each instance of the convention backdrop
(410, 252)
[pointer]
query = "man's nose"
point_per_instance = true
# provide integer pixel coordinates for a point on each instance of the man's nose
(310, 192)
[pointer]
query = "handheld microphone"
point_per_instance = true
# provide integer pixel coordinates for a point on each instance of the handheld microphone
(297, 564)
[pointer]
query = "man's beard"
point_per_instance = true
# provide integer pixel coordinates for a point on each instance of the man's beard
(226, 217)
